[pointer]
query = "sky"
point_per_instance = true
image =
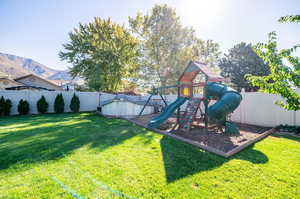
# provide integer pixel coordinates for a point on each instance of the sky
(37, 29)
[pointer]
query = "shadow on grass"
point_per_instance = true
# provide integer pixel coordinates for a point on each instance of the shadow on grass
(182, 160)
(49, 137)
(35, 139)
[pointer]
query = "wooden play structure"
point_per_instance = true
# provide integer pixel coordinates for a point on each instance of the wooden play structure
(197, 86)
(199, 115)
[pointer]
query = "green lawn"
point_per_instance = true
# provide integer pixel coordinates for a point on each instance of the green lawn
(88, 156)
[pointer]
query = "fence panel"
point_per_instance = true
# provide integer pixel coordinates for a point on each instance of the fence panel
(260, 109)
(256, 108)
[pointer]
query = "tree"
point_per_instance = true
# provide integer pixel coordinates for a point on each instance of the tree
(167, 46)
(2, 105)
(7, 107)
(290, 18)
(240, 61)
(285, 69)
(130, 86)
(23, 107)
(42, 105)
(75, 104)
(103, 53)
(59, 104)
(207, 51)
(285, 72)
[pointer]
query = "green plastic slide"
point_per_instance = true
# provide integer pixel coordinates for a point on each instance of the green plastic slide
(228, 101)
(168, 111)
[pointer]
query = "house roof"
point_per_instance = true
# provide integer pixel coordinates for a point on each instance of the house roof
(26, 76)
(11, 80)
(27, 87)
(2, 75)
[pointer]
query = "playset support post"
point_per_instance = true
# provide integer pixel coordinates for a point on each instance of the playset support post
(157, 91)
(178, 110)
(145, 105)
(205, 105)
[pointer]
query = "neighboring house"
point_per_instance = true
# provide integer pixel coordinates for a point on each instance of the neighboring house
(6, 81)
(36, 82)
(27, 82)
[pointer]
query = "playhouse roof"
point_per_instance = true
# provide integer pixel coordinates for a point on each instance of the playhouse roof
(195, 67)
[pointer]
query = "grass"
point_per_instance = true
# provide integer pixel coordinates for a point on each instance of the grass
(87, 156)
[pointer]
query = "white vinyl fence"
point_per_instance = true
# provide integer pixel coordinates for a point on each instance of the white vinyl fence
(89, 101)
(260, 109)
(256, 108)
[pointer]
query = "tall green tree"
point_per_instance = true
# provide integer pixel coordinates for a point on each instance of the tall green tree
(285, 69)
(2, 105)
(167, 46)
(207, 51)
(59, 104)
(23, 107)
(240, 61)
(75, 104)
(103, 53)
(7, 107)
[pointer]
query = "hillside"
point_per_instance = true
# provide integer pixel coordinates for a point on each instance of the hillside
(61, 75)
(16, 66)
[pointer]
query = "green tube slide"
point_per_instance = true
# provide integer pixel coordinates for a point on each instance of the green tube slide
(228, 101)
(168, 111)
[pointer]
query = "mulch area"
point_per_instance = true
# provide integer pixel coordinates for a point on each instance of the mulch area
(211, 138)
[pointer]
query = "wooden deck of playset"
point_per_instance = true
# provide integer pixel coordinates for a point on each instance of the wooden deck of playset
(209, 140)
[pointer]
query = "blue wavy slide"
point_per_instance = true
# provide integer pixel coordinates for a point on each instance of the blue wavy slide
(169, 110)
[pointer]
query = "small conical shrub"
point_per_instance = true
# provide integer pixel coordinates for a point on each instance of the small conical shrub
(23, 107)
(42, 105)
(2, 105)
(59, 104)
(75, 104)
(7, 107)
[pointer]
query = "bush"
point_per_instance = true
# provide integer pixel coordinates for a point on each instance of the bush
(23, 107)
(2, 105)
(42, 105)
(75, 103)
(289, 128)
(59, 104)
(7, 107)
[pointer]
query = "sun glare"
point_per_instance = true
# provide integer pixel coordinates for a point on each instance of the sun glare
(200, 12)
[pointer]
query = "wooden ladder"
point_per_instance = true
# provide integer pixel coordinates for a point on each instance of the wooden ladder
(190, 113)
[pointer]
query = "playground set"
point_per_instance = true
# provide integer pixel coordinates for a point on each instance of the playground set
(212, 88)
(207, 103)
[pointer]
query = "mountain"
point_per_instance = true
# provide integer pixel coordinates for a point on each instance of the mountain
(16, 66)
(62, 75)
